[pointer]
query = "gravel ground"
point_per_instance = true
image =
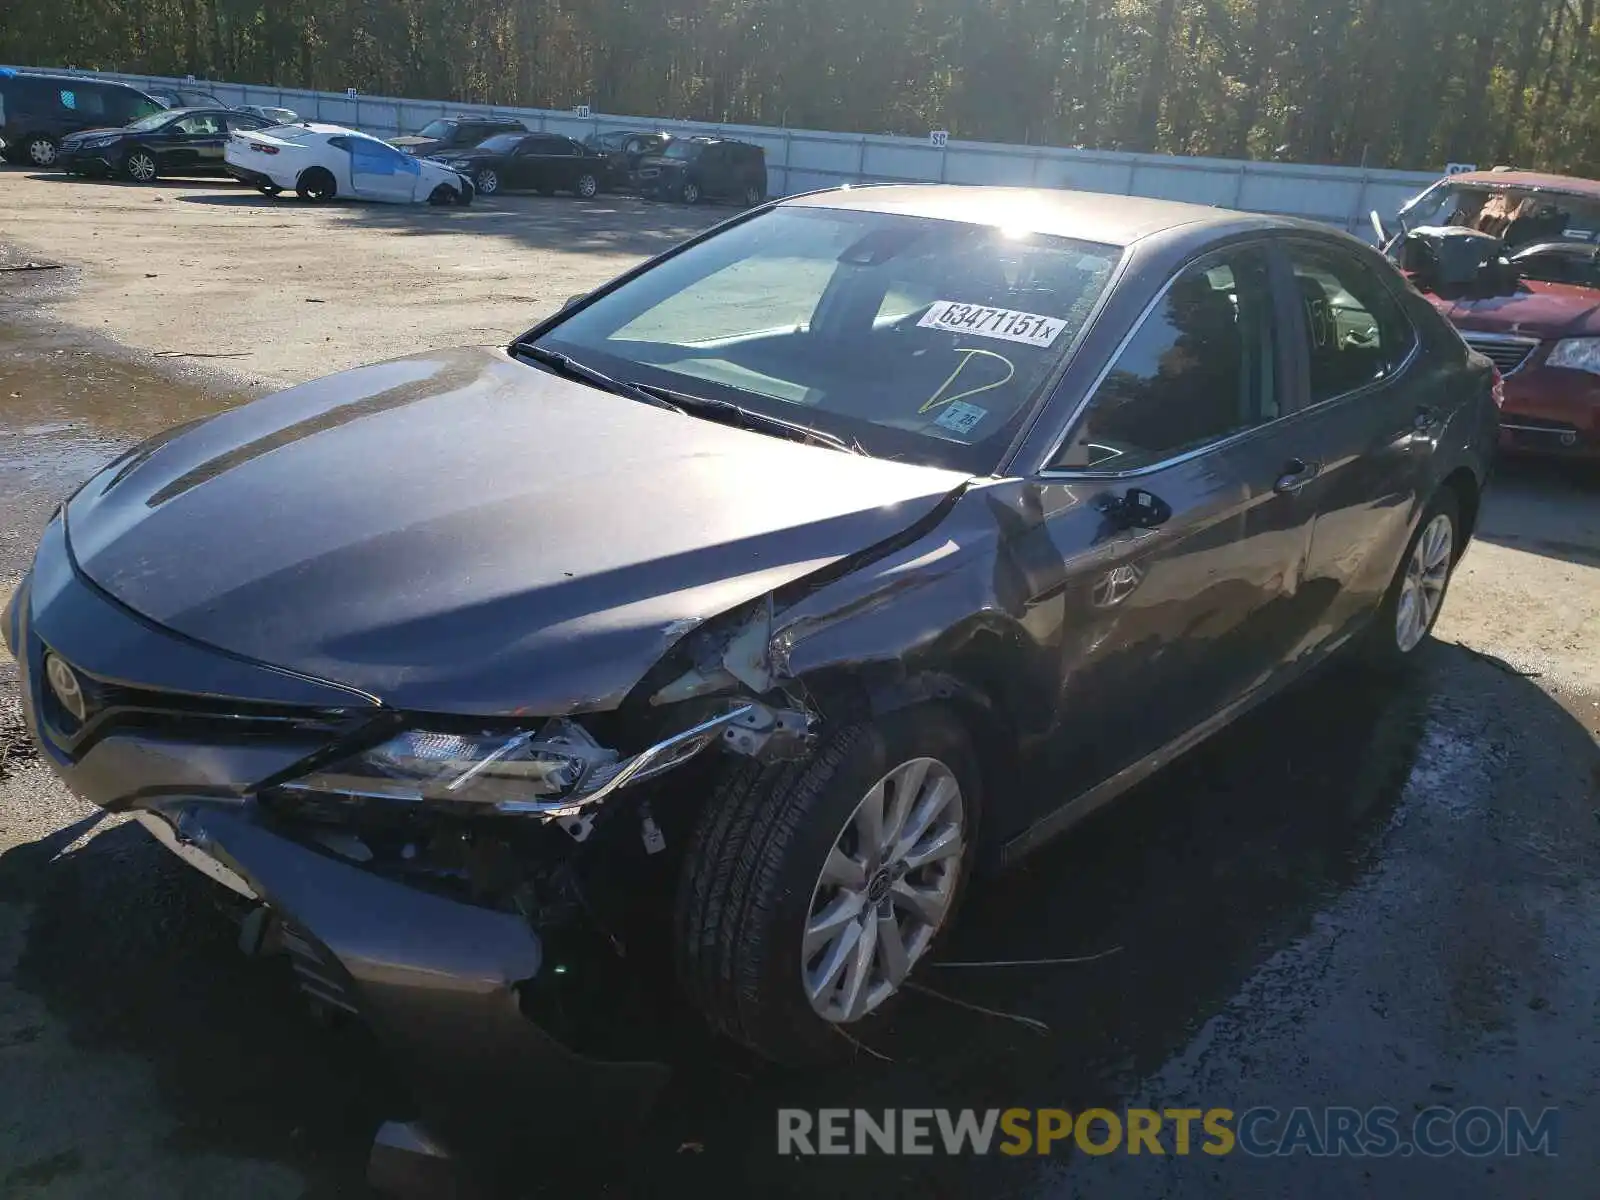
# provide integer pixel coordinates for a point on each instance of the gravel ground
(1356, 897)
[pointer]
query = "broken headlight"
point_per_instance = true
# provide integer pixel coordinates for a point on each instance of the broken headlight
(556, 771)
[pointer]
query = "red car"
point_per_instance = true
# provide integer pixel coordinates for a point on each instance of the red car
(1539, 321)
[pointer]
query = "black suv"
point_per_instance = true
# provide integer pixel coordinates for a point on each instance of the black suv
(38, 110)
(455, 133)
(705, 168)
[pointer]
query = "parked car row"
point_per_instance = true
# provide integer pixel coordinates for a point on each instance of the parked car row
(41, 114)
(101, 127)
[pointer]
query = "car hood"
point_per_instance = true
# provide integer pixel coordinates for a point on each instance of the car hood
(101, 131)
(461, 532)
(1543, 310)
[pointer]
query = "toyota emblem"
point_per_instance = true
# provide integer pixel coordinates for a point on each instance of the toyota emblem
(64, 683)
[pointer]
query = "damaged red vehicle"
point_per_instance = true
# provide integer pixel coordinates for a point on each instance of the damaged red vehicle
(1510, 258)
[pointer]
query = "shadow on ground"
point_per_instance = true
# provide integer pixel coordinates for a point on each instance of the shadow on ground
(1204, 874)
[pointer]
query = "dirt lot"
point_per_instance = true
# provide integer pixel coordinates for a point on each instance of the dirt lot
(1356, 898)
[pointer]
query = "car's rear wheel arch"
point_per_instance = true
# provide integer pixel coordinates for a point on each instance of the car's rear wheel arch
(1464, 484)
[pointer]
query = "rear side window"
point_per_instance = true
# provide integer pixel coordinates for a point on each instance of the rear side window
(1356, 333)
(1199, 368)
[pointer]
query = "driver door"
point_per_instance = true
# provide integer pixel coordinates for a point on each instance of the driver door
(191, 144)
(380, 172)
(1174, 537)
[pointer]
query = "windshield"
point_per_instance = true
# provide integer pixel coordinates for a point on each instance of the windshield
(681, 149)
(437, 129)
(154, 121)
(501, 143)
(1519, 216)
(917, 339)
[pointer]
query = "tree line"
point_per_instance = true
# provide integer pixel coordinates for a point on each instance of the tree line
(1404, 83)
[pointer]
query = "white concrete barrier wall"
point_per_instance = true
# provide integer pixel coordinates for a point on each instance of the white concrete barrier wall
(800, 160)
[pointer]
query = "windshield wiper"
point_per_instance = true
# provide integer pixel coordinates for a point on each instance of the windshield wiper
(705, 406)
(574, 369)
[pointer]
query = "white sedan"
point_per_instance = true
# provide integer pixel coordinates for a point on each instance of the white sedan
(320, 162)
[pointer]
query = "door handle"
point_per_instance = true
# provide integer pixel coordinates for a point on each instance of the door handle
(1297, 472)
(1426, 418)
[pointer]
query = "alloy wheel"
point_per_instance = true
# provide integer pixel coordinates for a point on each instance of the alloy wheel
(42, 151)
(691, 193)
(588, 185)
(1422, 589)
(884, 891)
(141, 167)
(488, 182)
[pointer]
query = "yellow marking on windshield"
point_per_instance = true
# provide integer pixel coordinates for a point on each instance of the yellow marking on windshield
(939, 398)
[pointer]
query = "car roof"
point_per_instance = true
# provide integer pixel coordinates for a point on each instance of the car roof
(1533, 180)
(1091, 216)
(79, 79)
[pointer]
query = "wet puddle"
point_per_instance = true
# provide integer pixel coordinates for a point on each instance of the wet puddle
(65, 409)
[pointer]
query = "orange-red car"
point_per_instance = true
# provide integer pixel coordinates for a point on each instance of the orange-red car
(1542, 326)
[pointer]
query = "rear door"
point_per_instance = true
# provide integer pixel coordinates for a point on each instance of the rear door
(1370, 406)
(1175, 548)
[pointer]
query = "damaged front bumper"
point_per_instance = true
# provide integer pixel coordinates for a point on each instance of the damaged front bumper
(440, 983)
(445, 984)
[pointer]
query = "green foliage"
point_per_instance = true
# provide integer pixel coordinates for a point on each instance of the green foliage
(1407, 83)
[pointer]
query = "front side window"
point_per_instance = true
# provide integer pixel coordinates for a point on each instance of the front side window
(1356, 333)
(146, 124)
(917, 339)
(1199, 368)
(206, 126)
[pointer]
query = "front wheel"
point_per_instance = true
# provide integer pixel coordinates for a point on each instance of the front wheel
(811, 890)
(487, 182)
(1411, 606)
(141, 166)
(689, 193)
(587, 186)
(42, 151)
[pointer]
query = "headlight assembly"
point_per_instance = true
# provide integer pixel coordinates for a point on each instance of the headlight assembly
(1576, 354)
(556, 771)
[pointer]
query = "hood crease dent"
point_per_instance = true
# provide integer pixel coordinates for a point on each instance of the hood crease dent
(462, 532)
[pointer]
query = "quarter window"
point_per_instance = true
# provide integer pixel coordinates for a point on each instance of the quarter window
(1356, 333)
(1200, 368)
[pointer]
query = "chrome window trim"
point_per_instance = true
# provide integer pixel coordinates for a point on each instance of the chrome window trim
(1046, 472)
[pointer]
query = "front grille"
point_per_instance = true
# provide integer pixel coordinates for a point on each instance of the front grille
(116, 707)
(1509, 354)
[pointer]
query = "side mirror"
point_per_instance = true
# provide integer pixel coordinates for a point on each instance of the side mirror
(1134, 509)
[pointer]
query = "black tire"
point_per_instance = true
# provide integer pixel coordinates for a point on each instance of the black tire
(41, 150)
(1380, 647)
(268, 189)
(689, 192)
(442, 195)
(140, 166)
(317, 185)
(586, 187)
(751, 869)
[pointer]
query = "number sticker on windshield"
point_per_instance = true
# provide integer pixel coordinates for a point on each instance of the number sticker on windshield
(960, 418)
(1031, 329)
